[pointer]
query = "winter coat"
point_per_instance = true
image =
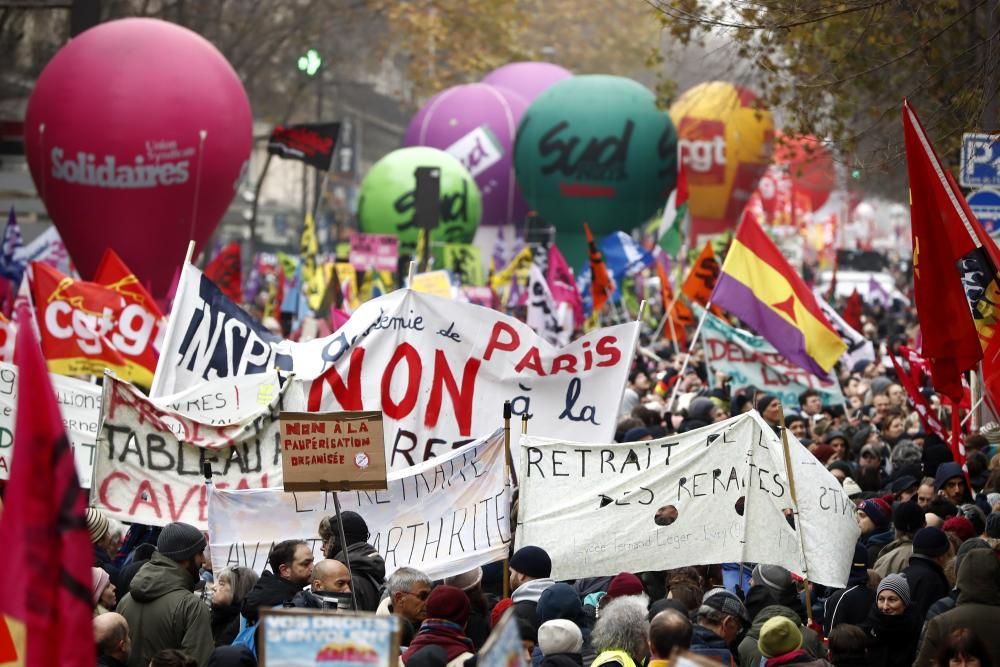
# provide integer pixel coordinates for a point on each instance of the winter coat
(849, 605)
(706, 643)
(108, 661)
(367, 574)
(563, 660)
(892, 640)
(438, 632)
(269, 591)
(104, 561)
(894, 557)
(978, 607)
(162, 612)
(225, 623)
(927, 583)
(749, 653)
(798, 657)
(525, 599)
(875, 542)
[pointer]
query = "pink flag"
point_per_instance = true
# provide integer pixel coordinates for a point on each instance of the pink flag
(563, 285)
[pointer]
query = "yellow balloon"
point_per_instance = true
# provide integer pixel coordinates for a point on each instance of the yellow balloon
(725, 144)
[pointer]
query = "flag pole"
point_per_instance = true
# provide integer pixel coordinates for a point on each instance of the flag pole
(154, 390)
(687, 357)
(411, 273)
(798, 518)
(509, 469)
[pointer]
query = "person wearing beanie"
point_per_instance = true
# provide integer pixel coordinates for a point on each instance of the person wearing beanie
(624, 583)
(561, 601)
(366, 565)
(893, 627)
(797, 425)
(977, 607)
(102, 540)
(102, 592)
(949, 481)
(478, 627)
(768, 584)
(291, 563)
(560, 642)
(947, 603)
(960, 527)
(530, 575)
(447, 613)
(851, 605)
(925, 571)
(700, 413)
(160, 609)
(874, 519)
(907, 519)
(851, 489)
(993, 526)
(769, 407)
(780, 643)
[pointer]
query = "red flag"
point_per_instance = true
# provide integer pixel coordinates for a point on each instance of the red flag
(943, 235)
(930, 422)
(672, 328)
(601, 286)
(116, 276)
(852, 310)
(46, 607)
(225, 271)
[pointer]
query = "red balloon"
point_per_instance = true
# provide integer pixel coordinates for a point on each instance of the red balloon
(137, 133)
(809, 164)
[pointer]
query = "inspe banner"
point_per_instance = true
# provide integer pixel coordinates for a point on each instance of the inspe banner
(751, 361)
(718, 494)
(149, 459)
(443, 517)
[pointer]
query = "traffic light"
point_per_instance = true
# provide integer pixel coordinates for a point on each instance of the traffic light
(310, 62)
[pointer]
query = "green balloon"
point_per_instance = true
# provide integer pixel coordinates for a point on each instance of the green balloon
(595, 149)
(386, 203)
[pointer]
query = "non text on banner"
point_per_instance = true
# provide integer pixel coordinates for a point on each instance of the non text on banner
(718, 494)
(443, 516)
(341, 451)
(424, 362)
(149, 459)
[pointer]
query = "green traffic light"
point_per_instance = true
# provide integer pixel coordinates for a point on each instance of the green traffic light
(310, 62)
(856, 174)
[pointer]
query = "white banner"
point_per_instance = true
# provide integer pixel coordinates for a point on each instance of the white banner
(859, 348)
(149, 458)
(553, 323)
(718, 494)
(439, 370)
(442, 517)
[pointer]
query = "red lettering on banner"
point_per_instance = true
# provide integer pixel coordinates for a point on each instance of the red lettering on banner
(461, 399)
(144, 495)
(606, 347)
(103, 491)
(496, 343)
(177, 512)
(400, 410)
(533, 360)
(564, 362)
(348, 395)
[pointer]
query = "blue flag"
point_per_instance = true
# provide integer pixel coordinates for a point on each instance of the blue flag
(623, 256)
(12, 251)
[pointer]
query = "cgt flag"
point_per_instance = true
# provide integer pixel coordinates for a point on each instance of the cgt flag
(312, 143)
(225, 270)
(46, 608)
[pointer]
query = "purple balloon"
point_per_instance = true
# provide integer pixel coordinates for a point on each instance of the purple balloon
(477, 124)
(529, 79)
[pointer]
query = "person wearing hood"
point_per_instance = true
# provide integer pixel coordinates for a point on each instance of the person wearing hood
(892, 627)
(780, 643)
(530, 575)
(366, 565)
(161, 611)
(560, 642)
(447, 614)
(560, 601)
(907, 519)
(291, 564)
(850, 606)
(876, 531)
(779, 582)
(773, 587)
(925, 573)
(949, 482)
(977, 607)
(700, 413)
(935, 454)
(947, 603)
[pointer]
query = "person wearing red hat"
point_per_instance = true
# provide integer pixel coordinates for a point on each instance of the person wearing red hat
(874, 519)
(624, 584)
(960, 527)
(448, 611)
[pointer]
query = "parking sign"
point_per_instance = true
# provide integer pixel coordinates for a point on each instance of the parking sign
(985, 205)
(980, 160)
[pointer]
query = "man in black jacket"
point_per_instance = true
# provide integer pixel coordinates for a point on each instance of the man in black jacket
(850, 605)
(291, 569)
(925, 573)
(367, 567)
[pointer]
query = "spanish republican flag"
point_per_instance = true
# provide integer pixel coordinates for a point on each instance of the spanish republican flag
(759, 286)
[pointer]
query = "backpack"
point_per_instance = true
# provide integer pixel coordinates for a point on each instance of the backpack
(247, 636)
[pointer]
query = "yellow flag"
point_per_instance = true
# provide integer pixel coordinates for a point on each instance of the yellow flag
(519, 267)
(313, 278)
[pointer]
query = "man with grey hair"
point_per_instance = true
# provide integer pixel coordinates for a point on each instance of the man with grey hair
(721, 619)
(111, 637)
(621, 634)
(407, 590)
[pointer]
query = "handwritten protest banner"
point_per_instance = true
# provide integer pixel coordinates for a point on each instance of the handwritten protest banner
(149, 459)
(443, 516)
(375, 251)
(297, 637)
(340, 451)
(718, 494)
(551, 322)
(423, 361)
(751, 361)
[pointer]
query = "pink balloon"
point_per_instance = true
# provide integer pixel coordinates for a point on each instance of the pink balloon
(137, 133)
(527, 79)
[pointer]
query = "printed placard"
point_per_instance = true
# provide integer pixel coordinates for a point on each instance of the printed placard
(334, 451)
(375, 251)
(297, 637)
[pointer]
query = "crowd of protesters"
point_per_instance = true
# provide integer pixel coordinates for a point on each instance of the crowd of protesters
(924, 585)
